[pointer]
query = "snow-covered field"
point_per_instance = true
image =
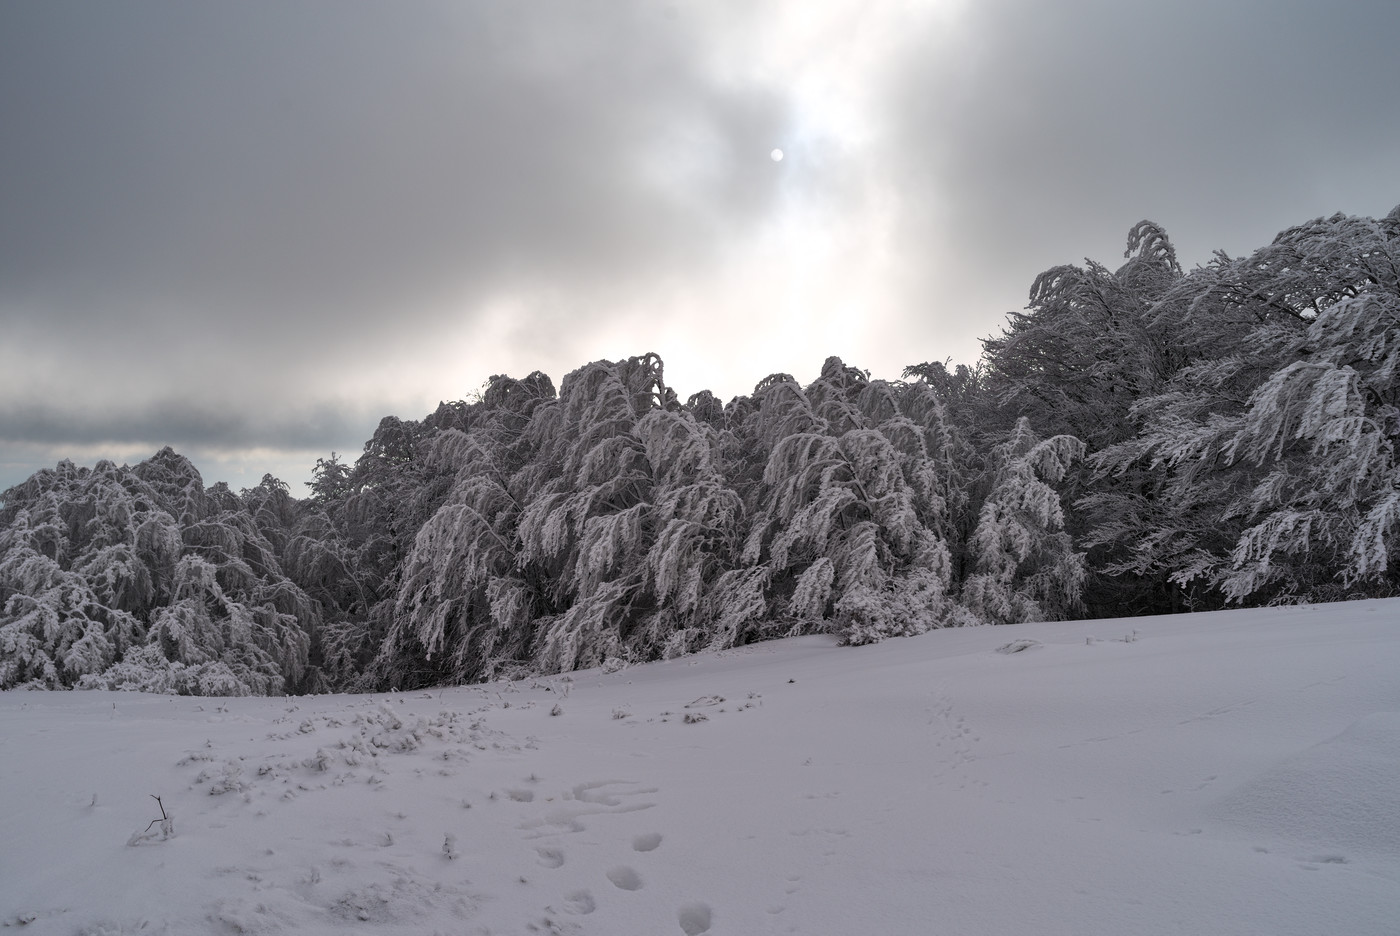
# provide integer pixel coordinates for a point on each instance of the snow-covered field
(1234, 773)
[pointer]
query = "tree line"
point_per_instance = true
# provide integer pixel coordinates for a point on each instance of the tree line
(1137, 441)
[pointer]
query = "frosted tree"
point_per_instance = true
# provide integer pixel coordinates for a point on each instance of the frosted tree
(458, 610)
(53, 629)
(836, 521)
(176, 484)
(1280, 453)
(71, 584)
(1025, 564)
(628, 521)
(98, 565)
(602, 524)
(1090, 343)
(349, 546)
(540, 533)
(940, 463)
(699, 597)
(456, 597)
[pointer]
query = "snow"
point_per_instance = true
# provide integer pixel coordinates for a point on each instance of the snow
(1228, 773)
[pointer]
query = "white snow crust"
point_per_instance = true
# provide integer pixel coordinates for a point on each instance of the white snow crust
(1227, 773)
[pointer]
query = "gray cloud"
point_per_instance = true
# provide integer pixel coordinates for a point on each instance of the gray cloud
(168, 420)
(207, 206)
(262, 225)
(228, 164)
(244, 158)
(1039, 133)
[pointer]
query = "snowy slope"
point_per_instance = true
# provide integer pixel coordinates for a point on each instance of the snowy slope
(1230, 773)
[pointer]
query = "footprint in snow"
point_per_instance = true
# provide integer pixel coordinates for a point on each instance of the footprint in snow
(647, 841)
(550, 857)
(596, 793)
(694, 919)
(580, 902)
(625, 878)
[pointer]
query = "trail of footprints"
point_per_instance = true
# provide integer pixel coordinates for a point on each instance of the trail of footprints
(375, 735)
(952, 729)
(600, 798)
(380, 730)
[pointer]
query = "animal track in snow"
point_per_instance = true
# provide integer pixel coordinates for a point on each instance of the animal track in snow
(550, 857)
(625, 878)
(595, 793)
(1218, 712)
(952, 728)
(647, 841)
(587, 799)
(841, 833)
(580, 902)
(1313, 863)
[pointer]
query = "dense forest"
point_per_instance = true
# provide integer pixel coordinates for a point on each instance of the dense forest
(1137, 441)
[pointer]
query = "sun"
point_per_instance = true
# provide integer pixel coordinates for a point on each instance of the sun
(776, 155)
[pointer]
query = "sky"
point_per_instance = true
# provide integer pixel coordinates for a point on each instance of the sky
(251, 230)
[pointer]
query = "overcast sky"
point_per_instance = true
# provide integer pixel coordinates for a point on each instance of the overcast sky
(251, 229)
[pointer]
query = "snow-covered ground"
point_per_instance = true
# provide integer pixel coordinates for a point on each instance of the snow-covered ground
(1234, 773)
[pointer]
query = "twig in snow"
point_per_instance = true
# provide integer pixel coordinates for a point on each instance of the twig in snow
(163, 816)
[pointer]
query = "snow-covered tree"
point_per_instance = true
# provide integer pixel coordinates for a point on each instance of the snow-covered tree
(1026, 567)
(96, 564)
(836, 521)
(1274, 461)
(1090, 343)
